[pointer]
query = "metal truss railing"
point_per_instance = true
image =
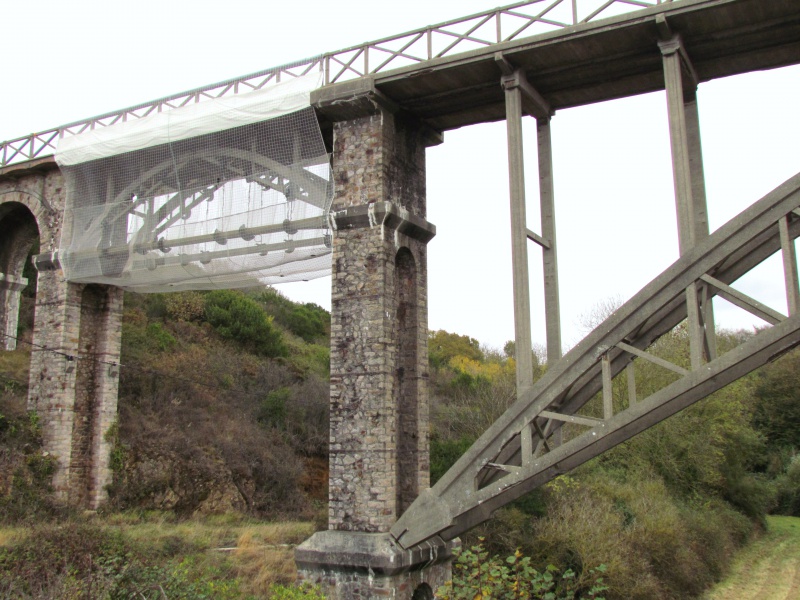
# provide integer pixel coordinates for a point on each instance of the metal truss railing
(524, 448)
(476, 31)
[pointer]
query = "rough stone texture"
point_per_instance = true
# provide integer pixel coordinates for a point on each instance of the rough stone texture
(379, 442)
(77, 328)
(379, 408)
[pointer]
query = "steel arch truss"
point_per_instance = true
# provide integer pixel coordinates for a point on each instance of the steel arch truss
(137, 227)
(521, 451)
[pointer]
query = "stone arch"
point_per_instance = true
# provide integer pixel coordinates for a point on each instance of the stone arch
(423, 592)
(19, 234)
(76, 335)
(407, 379)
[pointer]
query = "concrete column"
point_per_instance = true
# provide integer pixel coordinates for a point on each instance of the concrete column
(10, 290)
(519, 241)
(522, 98)
(379, 358)
(552, 305)
(689, 181)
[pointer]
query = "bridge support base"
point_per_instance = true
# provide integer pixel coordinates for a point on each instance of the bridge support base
(353, 565)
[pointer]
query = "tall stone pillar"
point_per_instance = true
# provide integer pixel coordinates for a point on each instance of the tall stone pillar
(74, 380)
(379, 359)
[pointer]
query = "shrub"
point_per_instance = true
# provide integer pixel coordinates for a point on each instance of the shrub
(788, 489)
(445, 453)
(237, 317)
(185, 306)
(476, 575)
(82, 560)
(308, 321)
(273, 409)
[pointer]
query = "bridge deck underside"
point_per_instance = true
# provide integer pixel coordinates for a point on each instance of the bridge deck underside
(601, 60)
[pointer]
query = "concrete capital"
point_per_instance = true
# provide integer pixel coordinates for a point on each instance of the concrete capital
(351, 100)
(671, 46)
(533, 103)
(377, 553)
(48, 261)
(386, 215)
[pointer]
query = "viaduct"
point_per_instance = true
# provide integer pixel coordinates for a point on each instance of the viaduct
(378, 108)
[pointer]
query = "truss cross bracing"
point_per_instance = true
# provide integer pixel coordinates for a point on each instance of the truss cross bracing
(522, 451)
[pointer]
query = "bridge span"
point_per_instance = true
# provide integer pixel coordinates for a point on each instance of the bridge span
(379, 106)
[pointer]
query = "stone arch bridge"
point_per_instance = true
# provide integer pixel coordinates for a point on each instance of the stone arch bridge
(381, 104)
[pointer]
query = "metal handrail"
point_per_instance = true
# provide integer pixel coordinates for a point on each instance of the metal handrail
(434, 41)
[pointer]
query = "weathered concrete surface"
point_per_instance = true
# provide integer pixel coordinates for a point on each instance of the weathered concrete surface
(371, 565)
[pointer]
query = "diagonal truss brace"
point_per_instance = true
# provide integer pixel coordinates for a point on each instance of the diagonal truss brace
(516, 454)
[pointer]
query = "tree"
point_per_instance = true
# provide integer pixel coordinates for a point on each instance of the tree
(444, 346)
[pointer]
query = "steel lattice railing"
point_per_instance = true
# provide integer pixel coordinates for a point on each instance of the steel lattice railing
(476, 31)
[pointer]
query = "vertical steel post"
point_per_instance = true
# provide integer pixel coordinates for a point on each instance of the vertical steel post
(519, 241)
(552, 309)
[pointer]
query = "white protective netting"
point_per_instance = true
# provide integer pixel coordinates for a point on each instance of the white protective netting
(226, 193)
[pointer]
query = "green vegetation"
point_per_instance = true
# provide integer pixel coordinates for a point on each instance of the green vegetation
(477, 575)
(665, 511)
(767, 568)
(223, 425)
(237, 317)
(152, 557)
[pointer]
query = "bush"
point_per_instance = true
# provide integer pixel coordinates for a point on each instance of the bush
(185, 306)
(308, 321)
(477, 575)
(82, 560)
(445, 453)
(237, 317)
(273, 409)
(27, 471)
(788, 489)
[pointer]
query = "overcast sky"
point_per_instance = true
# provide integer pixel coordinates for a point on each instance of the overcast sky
(64, 61)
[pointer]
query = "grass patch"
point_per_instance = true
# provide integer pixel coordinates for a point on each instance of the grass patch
(225, 557)
(767, 568)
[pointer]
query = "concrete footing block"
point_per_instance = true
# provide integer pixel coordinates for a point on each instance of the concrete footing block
(353, 565)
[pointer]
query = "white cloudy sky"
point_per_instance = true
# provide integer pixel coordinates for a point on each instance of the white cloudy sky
(65, 61)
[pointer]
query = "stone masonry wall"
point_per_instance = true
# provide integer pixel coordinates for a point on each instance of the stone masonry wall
(39, 187)
(377, 158)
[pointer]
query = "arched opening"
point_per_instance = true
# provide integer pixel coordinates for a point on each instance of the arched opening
(407, 379)
(19, 238)
(423, 592)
